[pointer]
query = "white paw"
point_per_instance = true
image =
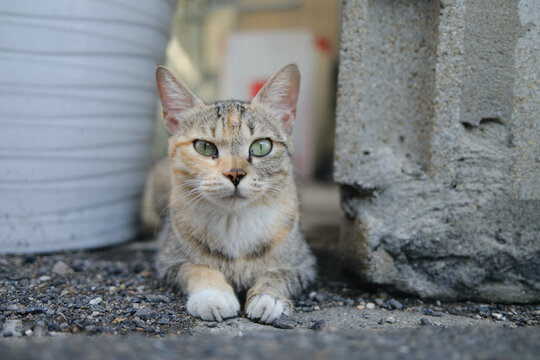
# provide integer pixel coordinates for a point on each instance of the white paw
(211, 304)
(266, 308)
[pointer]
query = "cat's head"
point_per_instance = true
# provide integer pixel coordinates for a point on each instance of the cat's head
(230, 153)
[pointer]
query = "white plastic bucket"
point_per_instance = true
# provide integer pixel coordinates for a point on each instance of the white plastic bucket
(77, 105)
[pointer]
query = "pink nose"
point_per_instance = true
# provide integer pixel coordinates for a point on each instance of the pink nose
(235, 175)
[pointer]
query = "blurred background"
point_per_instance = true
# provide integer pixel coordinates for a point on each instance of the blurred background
(79, 117)
(227, 49)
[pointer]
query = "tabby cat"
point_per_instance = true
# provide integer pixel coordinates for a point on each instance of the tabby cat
(233, 207)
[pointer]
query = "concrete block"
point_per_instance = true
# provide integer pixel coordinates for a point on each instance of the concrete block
(437, 147)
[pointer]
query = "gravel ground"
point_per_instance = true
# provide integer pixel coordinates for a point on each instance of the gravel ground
(334, 293)
(115, 291)
(112, 291)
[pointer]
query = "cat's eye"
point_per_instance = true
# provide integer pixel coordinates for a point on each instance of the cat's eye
(205, 148)
(260, 147)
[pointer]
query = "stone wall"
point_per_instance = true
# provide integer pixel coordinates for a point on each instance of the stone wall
(438, 146)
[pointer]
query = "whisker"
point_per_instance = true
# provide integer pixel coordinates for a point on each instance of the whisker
(182, 193)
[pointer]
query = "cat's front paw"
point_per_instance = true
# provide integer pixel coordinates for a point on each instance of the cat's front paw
(211, 304)
(266, 308)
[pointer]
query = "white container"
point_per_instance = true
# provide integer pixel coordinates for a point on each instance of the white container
(77, 106)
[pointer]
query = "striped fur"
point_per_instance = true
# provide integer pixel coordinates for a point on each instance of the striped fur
(220, 239)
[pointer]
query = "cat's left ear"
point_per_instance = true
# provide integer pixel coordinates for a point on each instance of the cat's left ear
(280, 94)
(176, 99)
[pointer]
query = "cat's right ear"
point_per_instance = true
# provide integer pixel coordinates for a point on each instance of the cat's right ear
(176, 99)
(280, 94)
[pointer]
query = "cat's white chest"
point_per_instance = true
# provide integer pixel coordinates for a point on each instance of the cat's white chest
(239, 233)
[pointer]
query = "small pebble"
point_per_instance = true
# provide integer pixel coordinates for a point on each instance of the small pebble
(12, 328)
(284, 322)
(318, 325)
(144, 313)
(164, 299)
(44, 278)
(430, 312)
(138, 268)
(164, 320)
(395, 304)
(370, 305)
(131, 310)
(497, 316)
(139, 323)
(17, 308)
(379, 301)
(61, 268)
(152, 298)
(424, 322)
(78, 265)
(36, 310)
(30, 258)
(390, 320)
(483, 310)
(97, 329)
(90, 328)
(95, 301)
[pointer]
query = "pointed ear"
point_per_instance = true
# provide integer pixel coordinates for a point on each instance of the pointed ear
(176, 99)
(280, 94)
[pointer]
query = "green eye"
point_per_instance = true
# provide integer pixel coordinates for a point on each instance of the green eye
(205, 148)
(260, 147)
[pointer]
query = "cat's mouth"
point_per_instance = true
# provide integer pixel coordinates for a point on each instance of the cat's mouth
(236, 195)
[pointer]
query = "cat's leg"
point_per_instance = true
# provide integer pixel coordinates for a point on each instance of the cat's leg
(210, 297)
(268, 298)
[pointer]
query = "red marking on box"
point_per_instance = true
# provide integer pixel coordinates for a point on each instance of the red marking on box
(323, 44)
(255, 87)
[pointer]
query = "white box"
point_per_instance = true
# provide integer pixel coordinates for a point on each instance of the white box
(251, 57)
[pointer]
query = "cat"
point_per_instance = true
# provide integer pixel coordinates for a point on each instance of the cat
(233, 220)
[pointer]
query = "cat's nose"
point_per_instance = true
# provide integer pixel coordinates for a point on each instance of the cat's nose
(235, 175)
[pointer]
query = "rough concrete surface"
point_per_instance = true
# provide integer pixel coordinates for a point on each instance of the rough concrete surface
(425, 343)
(437, 147)
(340, 318)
